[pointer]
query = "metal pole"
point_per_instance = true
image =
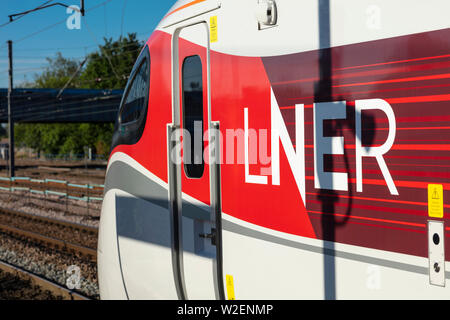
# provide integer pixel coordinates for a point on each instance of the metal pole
(88, 199)
(10, 118)
(67, 197)
(82, 8)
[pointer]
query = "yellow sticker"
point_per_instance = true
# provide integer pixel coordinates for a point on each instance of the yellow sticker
(213, 28)
(435, 200)
(230, 287)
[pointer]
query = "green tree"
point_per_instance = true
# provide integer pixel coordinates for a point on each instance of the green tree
(57, 73)
(107, 68)
(110, 66)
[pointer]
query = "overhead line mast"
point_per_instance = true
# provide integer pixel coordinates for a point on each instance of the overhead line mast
(10, 116)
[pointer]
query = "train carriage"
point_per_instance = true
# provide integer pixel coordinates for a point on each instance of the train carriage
(280, 149)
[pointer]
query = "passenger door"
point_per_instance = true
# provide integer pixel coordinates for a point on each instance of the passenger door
(193, 176)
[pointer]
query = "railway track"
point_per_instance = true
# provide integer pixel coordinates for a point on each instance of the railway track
(61, 235)
(43, 284)
(61, 187)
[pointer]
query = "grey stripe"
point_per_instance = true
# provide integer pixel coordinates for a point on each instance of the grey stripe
(235, 228)
(124, 177)
(196, 212)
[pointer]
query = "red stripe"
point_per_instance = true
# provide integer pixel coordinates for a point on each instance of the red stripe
(419, 128)
(353, 93)
(432, 98)
(416, 165)
(419, 225)
(422, 119)
(421, 174)
(427, 147)
(372, 73)
(412, 128)
(398, 183)
(381, 226)
(416, 157)
(396, 70)
(379, 209)
(394, 62)
(433, 77)
(424, 204)
(419, 140)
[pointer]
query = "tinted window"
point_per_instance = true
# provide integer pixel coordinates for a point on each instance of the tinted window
(193, 116)
(132, 113)
(136, 96)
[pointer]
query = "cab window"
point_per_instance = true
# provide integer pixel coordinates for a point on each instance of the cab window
(132, 113)
(136, 96)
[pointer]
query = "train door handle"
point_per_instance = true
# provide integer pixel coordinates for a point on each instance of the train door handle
(436, 267)
(211, 236)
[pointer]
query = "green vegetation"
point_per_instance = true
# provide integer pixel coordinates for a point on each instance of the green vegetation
(107, 68)
(122, 54)
(65, 139)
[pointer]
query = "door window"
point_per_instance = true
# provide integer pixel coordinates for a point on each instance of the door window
(193, 117)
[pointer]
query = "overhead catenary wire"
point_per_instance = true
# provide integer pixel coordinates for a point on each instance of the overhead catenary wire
(104, 51)
(40, 107)
(45, 6)
(64, 108)
(24, 116)
(46, 116)
(52, 102)
(61, 115)
(84, 80)
(53, 25)
(75, 48)
(80, 58)
(123, 17)
(21, 16)
(54, 48)
(105, 20)
(60, 104)
(71, 78)
(3, 73)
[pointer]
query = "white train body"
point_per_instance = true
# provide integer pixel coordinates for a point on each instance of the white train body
(348, 99)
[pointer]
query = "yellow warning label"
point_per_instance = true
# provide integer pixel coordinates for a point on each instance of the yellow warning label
(213, 28)
(230, 287)
(435, 200)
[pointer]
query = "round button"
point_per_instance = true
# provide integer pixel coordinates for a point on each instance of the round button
(436, 239)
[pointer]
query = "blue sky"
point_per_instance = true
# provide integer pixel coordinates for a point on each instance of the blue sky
(43, 33)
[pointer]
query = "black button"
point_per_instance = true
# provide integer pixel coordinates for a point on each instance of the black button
(436, 239)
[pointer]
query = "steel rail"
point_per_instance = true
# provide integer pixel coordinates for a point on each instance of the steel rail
(44, 283)
(57, 243)
(52, 221)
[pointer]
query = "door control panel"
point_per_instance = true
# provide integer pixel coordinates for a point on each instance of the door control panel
(436, 253)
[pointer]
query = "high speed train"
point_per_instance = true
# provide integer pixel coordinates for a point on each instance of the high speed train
(283, 149)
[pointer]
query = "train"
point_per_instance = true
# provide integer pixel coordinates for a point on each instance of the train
(281, 149)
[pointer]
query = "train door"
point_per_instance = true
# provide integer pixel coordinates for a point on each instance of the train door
(193, 179)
